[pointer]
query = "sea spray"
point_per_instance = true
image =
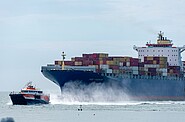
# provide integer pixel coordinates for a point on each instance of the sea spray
(77, 92)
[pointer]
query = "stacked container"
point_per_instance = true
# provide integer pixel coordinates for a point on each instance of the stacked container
(151, 66)
(155, 66)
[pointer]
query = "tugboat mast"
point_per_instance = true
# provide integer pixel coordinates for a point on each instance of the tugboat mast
(63, 57)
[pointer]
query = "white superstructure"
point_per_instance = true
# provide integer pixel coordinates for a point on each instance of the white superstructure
(163, 48)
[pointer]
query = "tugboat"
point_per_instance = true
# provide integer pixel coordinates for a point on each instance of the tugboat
(29, 95)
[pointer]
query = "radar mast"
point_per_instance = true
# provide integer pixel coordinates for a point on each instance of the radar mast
(63, 57)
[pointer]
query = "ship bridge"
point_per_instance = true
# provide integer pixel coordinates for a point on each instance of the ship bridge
(163, 48)
(161, 41)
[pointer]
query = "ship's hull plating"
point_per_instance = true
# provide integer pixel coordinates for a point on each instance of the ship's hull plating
(19, 99)
(137, 89)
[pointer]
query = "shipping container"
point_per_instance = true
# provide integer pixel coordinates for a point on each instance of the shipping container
(134, 61)
(141, 64)
(134, 68)
(58, 62)
(72, 59)
(164, 74)
(87, 62)
(78, 63)
(163, 65)
(149, 58)
(103, 55)
(96, 55)
(85, 55)
(110, 62)
(154, 62)
(141, 68)
(142, 73)
(116, 71)
(135, 72)
(104, 66)
(152, 65)
(69, 63)
(161, 70)
(79, 59)
(127, 64)
(152, 70)
(109, 70)
(114, 67)
(119, 59)
(148, 62)
(146, 69)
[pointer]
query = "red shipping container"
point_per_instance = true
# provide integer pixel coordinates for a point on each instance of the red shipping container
(87, 62)
(156, 58)
(95, 55)
(86, 55)
(134, 61)
(69, 63)
(148, 62)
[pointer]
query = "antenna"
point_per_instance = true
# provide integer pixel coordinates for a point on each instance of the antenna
(63, 57)
(160, 35)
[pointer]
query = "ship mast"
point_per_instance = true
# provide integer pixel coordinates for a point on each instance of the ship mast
(160, 35)
(63, 57)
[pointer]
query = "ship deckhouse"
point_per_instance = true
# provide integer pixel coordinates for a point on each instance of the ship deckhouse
(163, 48)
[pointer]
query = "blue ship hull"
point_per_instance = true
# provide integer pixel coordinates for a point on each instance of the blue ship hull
(138, 88)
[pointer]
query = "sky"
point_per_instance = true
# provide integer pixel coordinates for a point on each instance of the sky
(34, 33)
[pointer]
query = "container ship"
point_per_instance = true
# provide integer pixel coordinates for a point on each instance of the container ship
(157, 74)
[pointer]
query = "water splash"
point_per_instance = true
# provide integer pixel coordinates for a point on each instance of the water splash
(111, 93)
(77, 93)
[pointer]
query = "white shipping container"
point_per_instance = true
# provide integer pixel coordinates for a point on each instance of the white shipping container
(121, 64)
(152, 65)
(127, 64)
(135, 68)
(165, 73)
(135, 72)
(145, 69)
(104, 66)
(109, 70)
(83, 68)
(78, 63)
(161, 70)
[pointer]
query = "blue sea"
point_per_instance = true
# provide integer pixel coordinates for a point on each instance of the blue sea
(62, 110)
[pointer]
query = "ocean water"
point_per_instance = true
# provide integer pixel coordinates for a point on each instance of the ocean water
(60, 110)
